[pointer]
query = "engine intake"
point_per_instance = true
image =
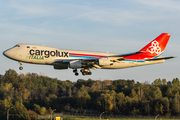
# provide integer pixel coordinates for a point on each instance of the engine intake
(105, 61)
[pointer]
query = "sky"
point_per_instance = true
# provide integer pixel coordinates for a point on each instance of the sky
(114, 26)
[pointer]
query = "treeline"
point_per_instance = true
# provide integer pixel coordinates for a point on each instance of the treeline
(32, 94)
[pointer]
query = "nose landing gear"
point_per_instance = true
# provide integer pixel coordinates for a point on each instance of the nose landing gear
(20, 66)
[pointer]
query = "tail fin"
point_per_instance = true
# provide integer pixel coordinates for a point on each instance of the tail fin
(158, 45)
(153, 49)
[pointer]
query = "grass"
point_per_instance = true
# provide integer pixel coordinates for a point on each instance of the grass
(68, 117)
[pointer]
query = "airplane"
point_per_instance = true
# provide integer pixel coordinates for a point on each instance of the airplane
(85, 60)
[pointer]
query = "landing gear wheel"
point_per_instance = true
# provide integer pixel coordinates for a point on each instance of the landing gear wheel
(20, 68)
(83, 73)
(89, 73)
(76, 74)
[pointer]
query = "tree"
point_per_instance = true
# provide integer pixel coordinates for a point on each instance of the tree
(158, 108)
(5, 104)
(133, 93)
(120, 98)
(175, 82)
(164, 82)
(20, 111)
(169, 92)
(165, 103)
(42, 111)
(135, 112)
(140, 94)
(176, 103)
(11, 72)
(37, 108)
(157, 82)
(155, 93)
(7, 89)
(105, 102)
(82, 97)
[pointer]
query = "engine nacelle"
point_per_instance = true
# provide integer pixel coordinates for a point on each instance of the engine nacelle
(75, 64)
(61, 66)
(105, 61)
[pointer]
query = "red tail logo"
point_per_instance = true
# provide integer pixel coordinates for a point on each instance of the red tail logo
(154, 48)
(157, 45)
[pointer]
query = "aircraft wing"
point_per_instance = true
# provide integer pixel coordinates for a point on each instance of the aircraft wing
(92, 62)
(119, 56)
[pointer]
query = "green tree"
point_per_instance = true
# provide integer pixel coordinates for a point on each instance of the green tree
(82, 97)
(157, 82)
(37, 108)
(105, 102)
(155, 93)
(120, 98)
(165, 102)
(176, 103)
(20, 111)
(5, 104)
(164, 82)
(175, 82)
(43, 111)
(135, 112)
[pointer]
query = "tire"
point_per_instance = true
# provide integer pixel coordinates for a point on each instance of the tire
(20, 68)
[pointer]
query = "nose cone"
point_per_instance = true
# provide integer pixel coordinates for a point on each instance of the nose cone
(5, 53)
(8, 53)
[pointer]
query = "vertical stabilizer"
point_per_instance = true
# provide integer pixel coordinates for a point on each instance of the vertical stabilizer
(158, 45)
(153, 49)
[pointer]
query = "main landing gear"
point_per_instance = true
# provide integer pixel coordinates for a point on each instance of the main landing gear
(20, 66)
(83, 71)
(75, 71)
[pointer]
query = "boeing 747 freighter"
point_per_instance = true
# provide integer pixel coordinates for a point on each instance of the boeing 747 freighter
(86, 60)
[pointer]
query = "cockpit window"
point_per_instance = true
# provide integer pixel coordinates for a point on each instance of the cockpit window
(17, 46)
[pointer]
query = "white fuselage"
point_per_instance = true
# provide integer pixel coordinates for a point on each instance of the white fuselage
(48, 55)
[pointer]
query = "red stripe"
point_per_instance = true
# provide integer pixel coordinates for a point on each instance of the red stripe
(87, 55)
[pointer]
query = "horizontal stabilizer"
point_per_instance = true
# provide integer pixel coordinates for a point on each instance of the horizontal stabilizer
(163, 58)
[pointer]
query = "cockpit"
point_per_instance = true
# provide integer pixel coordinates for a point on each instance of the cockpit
(17, 45)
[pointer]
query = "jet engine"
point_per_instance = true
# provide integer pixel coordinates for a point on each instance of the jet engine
(105, 61)
(75, 64)
(61, 66)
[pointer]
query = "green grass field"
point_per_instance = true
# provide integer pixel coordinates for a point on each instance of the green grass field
(67, 117)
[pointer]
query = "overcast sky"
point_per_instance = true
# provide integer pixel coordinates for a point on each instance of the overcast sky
(116, 26)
